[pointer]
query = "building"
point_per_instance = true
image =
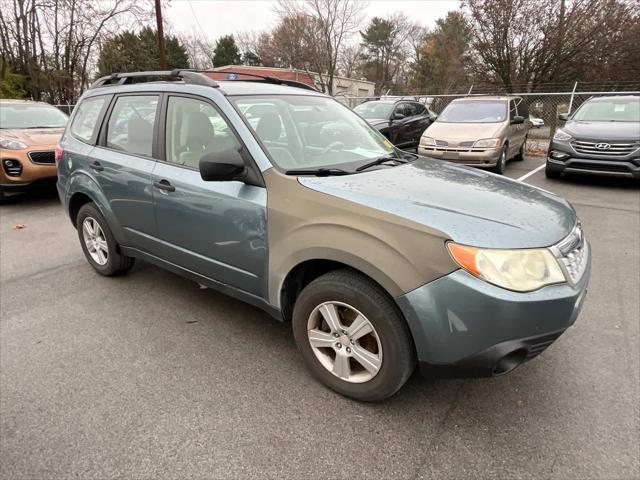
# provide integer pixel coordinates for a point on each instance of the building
(342, 86)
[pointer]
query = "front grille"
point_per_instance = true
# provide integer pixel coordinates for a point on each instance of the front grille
(573, 253)
(605, 148)
(47, 157)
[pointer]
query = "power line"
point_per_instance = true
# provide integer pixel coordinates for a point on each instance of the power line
(195, 17)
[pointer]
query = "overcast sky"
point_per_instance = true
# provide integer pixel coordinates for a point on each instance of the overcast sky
(222, 17)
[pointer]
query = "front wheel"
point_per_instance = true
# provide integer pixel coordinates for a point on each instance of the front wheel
(502, 162)
(352, 336)
(551, 172)
(98, 243)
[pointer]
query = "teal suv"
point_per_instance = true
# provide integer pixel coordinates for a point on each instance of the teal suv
(273, 193)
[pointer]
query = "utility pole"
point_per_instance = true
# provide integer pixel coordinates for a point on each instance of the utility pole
(163, 60)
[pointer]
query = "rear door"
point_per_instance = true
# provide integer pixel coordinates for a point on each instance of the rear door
(216, 229)
(123, 162)
(423, 120)
(403, 127)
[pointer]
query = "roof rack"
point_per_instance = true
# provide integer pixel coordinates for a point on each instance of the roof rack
(268, 79)
(194, 77)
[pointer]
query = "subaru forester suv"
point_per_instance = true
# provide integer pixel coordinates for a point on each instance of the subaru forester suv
(283, 197)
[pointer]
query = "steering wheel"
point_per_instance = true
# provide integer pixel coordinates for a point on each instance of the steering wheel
(331, 146)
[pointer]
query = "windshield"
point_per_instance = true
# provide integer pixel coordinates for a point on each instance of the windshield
(374, 109)
(18, 115)
(304, 131)
(474, 111)
(615, 110)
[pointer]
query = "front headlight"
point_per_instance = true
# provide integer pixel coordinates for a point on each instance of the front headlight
(428, 141)
(487, 143)
(522, 270)
(11, 144)
(561, 135)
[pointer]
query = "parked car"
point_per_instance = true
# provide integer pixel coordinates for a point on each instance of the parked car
(29, 133)
(602, 137)
(482, 132)
(536, 122)
(401, 121)
(381, 259)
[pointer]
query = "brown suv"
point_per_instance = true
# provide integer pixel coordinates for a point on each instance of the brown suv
(29, 133)
(482, 132)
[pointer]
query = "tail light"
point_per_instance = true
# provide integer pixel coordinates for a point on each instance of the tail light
(59, 152)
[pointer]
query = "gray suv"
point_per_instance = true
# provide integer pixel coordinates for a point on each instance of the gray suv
(601, 138)
(283, 197)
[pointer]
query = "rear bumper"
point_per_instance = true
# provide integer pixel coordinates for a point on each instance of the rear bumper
(483, 158)
(465, 327)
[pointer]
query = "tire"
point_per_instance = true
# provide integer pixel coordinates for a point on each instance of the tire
(114, 262)
(520, 155)
(551, 172)
(502, 162)
(389, 342)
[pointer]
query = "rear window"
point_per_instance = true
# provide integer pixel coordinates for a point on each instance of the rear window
(85, 121)
(474, 111)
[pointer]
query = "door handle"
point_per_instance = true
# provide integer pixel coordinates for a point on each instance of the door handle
(96, 166)
(164, 185)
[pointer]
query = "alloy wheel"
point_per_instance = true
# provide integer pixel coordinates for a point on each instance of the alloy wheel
(95, 241)
(345, 342)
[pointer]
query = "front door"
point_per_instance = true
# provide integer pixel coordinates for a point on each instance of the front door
(215, 229)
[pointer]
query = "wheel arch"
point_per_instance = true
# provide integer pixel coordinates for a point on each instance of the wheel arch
(306, 271)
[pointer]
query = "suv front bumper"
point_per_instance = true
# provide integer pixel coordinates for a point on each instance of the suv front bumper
(574, 162)
(463, 326)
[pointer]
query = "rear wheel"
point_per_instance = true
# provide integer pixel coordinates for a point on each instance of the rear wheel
(352, 336)
(502, 162)
(98, 243)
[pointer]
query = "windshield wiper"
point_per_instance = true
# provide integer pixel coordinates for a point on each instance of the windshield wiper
(380, 161)
(318, 172)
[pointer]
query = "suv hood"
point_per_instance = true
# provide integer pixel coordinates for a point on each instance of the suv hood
(460, 132)
(603, 130)
(469, 206)
(34, 137)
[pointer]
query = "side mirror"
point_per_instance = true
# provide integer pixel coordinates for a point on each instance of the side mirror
(222, 166)
(397, 116)
(563, 116)
(517, 120)
(433, 117)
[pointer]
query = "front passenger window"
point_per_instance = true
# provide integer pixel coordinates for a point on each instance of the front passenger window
(131, 123)
(195, 128)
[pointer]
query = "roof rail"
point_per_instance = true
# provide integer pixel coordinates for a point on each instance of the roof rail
(194, 77)
(268, 79)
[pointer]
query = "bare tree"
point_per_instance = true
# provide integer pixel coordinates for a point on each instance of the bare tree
(350, 61)
(199, 49)
(331, 23)
(53, 43)
(525, 43)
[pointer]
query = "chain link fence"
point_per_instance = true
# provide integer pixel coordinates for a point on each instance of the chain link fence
(543, 109)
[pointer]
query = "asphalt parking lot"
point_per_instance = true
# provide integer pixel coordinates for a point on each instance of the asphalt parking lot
(149, 376)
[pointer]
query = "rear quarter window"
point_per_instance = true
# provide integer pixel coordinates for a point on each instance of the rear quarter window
(85, 122)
